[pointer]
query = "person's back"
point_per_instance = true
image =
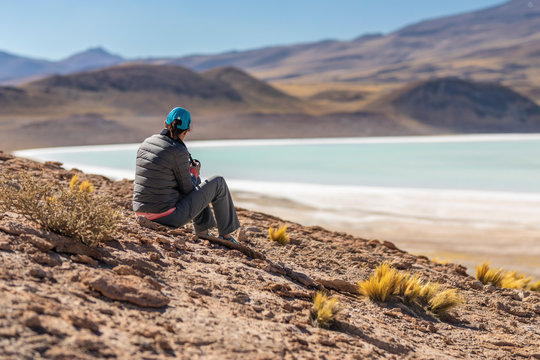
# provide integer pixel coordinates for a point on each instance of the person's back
(157, 188)
(167, 188)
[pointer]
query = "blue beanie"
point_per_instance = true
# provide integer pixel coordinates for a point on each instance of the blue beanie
(183, 115)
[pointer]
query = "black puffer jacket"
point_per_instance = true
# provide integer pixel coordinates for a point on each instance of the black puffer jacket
(162, 174)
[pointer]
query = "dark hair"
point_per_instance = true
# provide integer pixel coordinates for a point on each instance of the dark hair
(174, 130)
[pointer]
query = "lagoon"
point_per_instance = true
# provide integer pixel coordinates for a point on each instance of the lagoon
(447, 196)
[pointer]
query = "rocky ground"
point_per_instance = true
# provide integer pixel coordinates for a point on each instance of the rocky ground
(161, 293)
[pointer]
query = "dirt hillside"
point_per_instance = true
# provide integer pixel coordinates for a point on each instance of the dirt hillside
(161, 293)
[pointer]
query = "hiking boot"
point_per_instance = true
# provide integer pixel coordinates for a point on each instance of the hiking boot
(231, 239)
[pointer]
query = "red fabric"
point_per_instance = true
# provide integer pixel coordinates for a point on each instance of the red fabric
(151, 216)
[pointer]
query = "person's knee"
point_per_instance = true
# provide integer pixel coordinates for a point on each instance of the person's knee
(218, 179)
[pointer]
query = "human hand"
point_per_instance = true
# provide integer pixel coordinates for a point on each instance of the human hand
(195, 170)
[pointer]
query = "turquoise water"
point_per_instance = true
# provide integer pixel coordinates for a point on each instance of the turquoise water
(493, 165)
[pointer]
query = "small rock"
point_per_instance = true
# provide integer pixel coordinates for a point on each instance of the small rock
(253, 229)
(154, 256)
(163, 343)
(180, 244)
(130, 288)
(268, 315)
(38, 273)
(46, 259)
(326, 341)
(83, 322)
(84, 259)
(32, 320)
(39, 243)
(156, 285)
(5, 246)
(124, 270)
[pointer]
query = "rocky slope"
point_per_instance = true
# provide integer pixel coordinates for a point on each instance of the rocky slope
(161, 293)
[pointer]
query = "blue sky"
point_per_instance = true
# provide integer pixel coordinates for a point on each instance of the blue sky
(55, 29)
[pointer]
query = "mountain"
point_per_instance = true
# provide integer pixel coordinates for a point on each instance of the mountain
(126, 103)
(500, 44)
(17, 69)
(93, 58)
(141, 89)
(13, 66)
(461, 106)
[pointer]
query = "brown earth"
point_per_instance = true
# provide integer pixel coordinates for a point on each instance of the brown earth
(161, 293)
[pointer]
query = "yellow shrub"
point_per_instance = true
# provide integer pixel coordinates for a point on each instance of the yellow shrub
(515, 280)
(73, 212)
(428, 291)
(489, 276)
(324, 311)
(535, 286)
(444, 301)
(410, 287)
(382, 284)
(280, 236)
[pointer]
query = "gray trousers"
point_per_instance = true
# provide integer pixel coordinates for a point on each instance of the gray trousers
(196, 206)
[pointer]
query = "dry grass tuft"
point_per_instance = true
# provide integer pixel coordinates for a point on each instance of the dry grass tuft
(515, 280)
(505, 279)
(382, 284)
(280, 236)
(410, 287)
(489, 276)
(535, 286)
(444, 301)
(428, 291)
(324, 311)
(74, 212)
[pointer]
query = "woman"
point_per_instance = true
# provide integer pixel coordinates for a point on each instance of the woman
(168, 189)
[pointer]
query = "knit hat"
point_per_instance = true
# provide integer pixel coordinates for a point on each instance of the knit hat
(181, 114)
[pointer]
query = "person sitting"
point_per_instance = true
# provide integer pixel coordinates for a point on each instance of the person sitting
(168, 189)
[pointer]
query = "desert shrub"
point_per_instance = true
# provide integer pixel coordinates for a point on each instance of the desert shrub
(324, 311)
(489, 276)
(74, 212)
(280, 236)
(409, 287)
(505, 279)
(381, 284)
(535, 286)
(444, 301)
(515, 280)
(428, 291)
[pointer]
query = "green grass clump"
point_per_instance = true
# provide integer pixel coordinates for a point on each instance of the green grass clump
(324, 311)
(489, 276)
(444, 301)
(382, 284)
(280, 236)
(73, 211)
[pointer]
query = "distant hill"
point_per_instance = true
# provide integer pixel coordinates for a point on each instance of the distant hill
(144, 89)
(16, 69)
(500, 44)
(462, 106)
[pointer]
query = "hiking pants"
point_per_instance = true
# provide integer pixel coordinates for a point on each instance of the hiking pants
(196, 206)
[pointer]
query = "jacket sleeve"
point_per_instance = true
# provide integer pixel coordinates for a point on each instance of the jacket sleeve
(181, 172)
